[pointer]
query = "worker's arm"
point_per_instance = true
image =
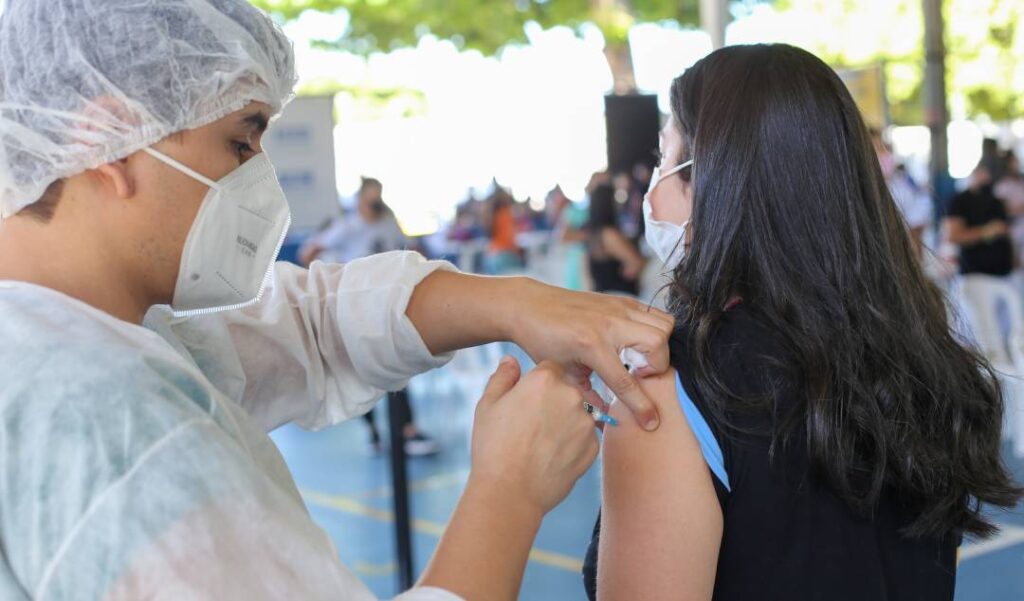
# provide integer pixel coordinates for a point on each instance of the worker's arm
(531, 441)
(585, 331)
(486, 545)
(323, 344)
(661, 524)
(959, 233)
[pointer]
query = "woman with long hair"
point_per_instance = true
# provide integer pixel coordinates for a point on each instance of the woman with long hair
(615, 262)
(825, 435)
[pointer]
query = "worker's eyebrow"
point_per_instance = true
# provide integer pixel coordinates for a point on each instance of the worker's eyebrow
(257, 121)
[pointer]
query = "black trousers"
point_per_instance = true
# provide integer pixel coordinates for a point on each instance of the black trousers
(404, 409)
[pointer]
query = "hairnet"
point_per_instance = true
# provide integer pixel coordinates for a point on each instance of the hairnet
(87, 82)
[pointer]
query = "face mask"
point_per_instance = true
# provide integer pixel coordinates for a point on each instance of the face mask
(229, 255)
(668, 240)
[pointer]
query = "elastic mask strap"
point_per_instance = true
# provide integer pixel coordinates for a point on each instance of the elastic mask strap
(675, 169)
(156, 154)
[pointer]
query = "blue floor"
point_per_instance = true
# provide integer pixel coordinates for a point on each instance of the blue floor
(348, 494)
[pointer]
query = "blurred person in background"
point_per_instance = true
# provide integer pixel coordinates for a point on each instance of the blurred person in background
(555, 205)
(1010, 189)
(615, 262)
(913, 200)
(629, 201)
(991, 155)
(642, 173)
(915, 204)
(503, 252)
(371, 230)
(529, 218)
(641, 181)
(568, 222)
(977, 223)
(466, 225)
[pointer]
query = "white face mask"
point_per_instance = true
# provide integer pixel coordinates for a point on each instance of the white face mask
(229, 255)
(667, 239)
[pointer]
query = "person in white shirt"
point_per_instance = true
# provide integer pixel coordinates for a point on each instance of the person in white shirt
(914, 203)
(370, 230)
(150, 341)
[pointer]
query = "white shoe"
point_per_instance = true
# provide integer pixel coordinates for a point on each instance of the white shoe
(421, 445)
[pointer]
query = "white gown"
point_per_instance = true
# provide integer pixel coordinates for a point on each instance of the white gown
(135, 459)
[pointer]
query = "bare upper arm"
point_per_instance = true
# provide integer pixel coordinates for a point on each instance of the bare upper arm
(661, 524)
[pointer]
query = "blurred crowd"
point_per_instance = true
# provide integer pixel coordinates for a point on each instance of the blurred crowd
(593, 243)
(971, 243)
(982, 235)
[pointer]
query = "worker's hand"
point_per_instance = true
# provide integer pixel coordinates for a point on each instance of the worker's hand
(586, 331)
(532, 436)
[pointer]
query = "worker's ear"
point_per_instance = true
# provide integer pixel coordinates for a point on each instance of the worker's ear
(116, 177)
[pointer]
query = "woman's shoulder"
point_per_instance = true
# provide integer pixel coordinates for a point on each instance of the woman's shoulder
(740, 340)
(749, 360)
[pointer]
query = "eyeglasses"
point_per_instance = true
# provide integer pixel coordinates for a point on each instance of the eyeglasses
(685, 170)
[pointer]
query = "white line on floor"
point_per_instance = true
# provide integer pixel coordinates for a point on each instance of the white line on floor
(1008, 536)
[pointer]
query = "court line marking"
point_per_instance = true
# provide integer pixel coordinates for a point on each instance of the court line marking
(374, 570)
(436, 482)
(1008, 536)
(353, 506)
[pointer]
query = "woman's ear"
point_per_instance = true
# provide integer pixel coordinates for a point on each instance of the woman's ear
(117, 178)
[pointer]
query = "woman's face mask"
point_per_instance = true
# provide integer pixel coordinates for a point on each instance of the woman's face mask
(667, 239)
(668, 202)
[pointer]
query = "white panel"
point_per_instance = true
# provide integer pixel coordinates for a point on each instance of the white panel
(301, 145)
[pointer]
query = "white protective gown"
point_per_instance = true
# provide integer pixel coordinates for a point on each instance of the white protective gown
(135, 459)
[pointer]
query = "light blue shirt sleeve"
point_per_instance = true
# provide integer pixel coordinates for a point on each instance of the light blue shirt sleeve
(709, 446)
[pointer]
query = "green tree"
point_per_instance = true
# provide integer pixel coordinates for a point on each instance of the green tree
(985, 38)
(490, 25)
(984, 44)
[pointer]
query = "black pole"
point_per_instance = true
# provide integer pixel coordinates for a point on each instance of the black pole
(400, 485)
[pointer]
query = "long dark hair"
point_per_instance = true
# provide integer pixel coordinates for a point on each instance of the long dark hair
(792, 213)
(603, 210)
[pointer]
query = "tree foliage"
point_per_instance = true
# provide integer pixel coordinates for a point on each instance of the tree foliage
(984, 44)
(985, 38)
(487, 26)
